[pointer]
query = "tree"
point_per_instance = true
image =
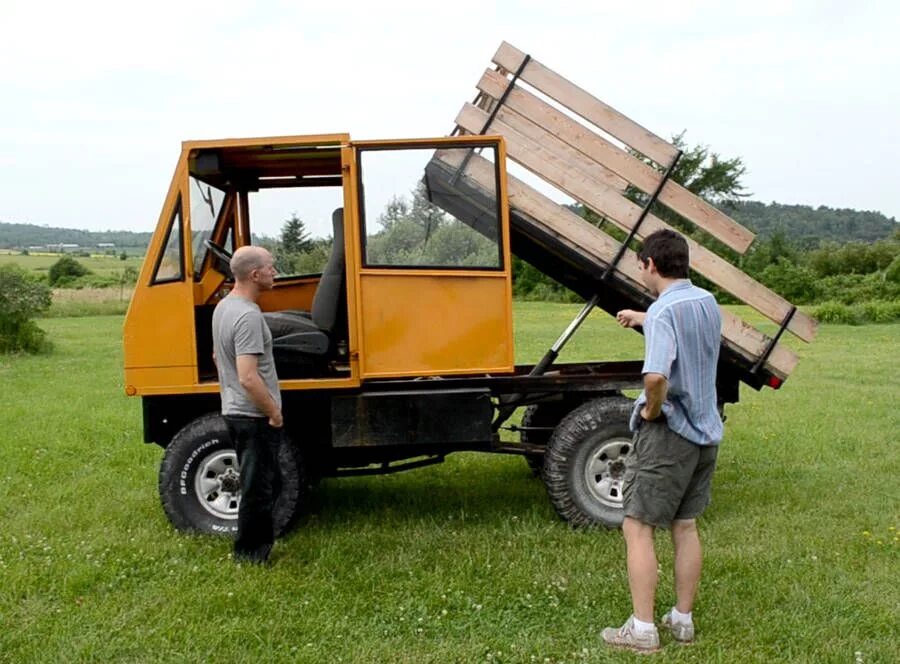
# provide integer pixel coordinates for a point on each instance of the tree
(66, 270)
(702, 172)
(295, 237)
(21, 299)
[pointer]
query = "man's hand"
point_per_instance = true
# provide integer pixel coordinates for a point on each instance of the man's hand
(630, 318)
(647, 415)
(276, 421)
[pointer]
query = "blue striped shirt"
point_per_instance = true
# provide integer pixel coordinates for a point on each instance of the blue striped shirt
(682, 333)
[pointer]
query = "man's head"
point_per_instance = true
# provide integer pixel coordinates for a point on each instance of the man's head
(253, 266)
(664, 256)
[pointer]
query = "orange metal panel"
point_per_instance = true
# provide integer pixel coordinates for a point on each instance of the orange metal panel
(151, 381)
(159, 329)
(159, 325)
(442, 142)
(164, 380)
(310, 139)
(425, 324)
(295, 295)
(352, 260)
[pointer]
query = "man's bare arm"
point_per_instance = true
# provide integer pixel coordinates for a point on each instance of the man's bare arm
(656, 387)
(631, 318)
(248, 375)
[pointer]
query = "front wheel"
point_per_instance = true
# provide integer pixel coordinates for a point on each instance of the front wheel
(585, 462)
(199, 480)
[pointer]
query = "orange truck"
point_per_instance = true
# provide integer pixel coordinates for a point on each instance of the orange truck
(395, 349)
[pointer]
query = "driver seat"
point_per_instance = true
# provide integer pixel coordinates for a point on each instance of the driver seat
(299, 336)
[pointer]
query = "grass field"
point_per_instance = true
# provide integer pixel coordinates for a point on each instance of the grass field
(98, 264)
(462, 562)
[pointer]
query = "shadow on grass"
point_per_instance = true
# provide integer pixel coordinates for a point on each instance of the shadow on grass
(470, 492)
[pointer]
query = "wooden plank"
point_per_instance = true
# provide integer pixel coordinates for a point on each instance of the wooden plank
(567, 174)
(619, 161)
(586, 105)
(590, 241)
(566, 152)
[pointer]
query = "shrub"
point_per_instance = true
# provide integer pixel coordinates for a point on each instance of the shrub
(21, 298)
(835, 312)
(795, 282)
(853, 288)
(65, 271)
(892, 271)
(880, 312)
(91, 280)
(875, 311)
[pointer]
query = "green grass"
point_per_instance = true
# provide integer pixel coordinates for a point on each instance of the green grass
(72, 302)
(100, 264)
(462, 562)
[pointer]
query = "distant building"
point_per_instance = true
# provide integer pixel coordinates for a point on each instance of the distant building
(106, 245)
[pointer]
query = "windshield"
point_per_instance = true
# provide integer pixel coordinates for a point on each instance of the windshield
(206, 203)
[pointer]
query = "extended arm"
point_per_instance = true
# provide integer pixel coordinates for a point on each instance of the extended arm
(630, 318)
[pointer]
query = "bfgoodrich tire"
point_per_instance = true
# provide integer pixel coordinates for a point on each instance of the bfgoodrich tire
(543, 418)
(585, 462)
(199, 480)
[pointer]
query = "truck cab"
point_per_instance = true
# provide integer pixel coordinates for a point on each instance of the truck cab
(392, 286)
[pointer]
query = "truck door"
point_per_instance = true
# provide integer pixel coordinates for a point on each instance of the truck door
(434, 277)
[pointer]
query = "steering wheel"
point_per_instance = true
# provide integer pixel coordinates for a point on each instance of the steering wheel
(222, 254)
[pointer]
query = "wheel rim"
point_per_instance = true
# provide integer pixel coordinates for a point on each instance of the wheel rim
(218, 484)
(605, 470)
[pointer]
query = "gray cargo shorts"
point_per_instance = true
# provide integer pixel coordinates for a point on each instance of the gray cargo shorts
(667, 477)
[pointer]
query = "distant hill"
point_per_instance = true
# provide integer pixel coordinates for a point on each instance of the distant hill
(807, 226)
(22, 236)
(802, 224)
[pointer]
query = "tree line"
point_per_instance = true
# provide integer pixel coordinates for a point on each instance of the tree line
(807, 255)
(22, 236)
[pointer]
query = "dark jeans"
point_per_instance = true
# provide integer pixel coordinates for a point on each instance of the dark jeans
(257, 446)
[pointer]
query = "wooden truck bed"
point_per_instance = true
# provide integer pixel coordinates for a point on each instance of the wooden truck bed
(593, 159)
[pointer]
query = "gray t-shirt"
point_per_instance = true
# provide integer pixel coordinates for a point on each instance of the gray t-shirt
(238, 328)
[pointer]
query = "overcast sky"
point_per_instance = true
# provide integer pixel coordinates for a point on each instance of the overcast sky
(97, 96)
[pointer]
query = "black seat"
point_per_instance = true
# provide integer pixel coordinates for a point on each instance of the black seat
(299, 336)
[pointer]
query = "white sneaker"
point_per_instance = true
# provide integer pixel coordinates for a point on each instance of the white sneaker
(628, 638)
(681, 631)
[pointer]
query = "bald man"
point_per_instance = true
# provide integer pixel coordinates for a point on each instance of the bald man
(251, 400)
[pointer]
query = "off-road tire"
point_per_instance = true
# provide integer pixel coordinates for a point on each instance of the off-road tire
(204, 442)
(541, 415)
(584, 462)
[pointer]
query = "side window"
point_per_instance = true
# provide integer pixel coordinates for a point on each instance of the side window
(170, 266)
(414, 215)
(295, 224)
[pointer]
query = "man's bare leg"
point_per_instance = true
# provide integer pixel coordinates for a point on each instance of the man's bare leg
(688, 562)
(642, 572)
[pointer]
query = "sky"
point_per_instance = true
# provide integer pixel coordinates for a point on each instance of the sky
(97, 96)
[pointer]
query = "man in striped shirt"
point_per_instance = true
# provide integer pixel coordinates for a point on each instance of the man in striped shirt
(677, 431)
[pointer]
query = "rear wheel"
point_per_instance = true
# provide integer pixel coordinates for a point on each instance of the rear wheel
(199, 480)
(585, 462)
(538, 423)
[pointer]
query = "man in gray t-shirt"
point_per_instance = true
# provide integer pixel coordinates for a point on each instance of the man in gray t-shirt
(251, 400)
